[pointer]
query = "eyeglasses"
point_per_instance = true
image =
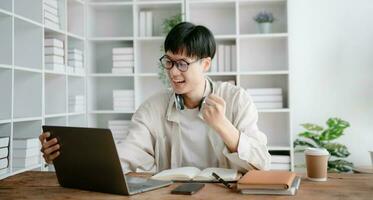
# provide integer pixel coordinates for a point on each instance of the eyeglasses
(181, 65)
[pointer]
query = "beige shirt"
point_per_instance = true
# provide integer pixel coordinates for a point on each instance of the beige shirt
(153, 143)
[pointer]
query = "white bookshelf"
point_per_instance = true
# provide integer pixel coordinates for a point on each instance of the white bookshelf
(98, 26)
(33, 95)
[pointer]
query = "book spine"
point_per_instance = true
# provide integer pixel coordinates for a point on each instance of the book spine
(221, 57)
(149, 23)
(142, 23)
(227, 58)
(123, 50)
(4, 152)
(53, 43)
(234, 58)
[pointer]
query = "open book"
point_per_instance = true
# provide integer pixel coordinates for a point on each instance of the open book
(195, 174)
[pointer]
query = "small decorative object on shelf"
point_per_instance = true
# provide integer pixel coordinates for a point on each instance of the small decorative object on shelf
(318, 137)
(264, 20)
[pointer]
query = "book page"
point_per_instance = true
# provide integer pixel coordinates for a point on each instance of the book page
(226, 174)
(178, 174)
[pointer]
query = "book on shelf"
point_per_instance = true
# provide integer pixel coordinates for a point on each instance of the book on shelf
(195, 174)
(52, 17)
(122, 50)
(75, 51)
(54, 59)
(221, 58)
(149, 24)
(267, 98)
(75, 57)
(270, 180)
(292, 190)
(123, 64)
(3, 171)
(214, 65)
(54, 51)
(4, 163)
(52, 9)
(52, 42)
(280, 159)
(59, 68)
(142, 23)
(51, 3)
(227, 58)
(4, 142)
(233, 58)
(50, 24)
(264, 91)
(26, 143)
(123, 57)
(75, 63)
(268, 105)
(4, 151)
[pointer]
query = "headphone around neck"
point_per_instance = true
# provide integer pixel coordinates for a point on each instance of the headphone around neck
(179, 100)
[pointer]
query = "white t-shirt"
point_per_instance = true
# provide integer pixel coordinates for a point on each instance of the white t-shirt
(196, 148)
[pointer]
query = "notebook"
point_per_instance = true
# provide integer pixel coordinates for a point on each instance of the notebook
(195, 174)
(275, 180)
(290, 191)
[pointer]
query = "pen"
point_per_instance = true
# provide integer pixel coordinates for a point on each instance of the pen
(221, 180)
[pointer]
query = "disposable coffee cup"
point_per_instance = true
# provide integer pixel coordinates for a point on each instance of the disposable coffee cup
(317, 164)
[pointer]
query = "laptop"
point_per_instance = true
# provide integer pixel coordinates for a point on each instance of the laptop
(89, 160)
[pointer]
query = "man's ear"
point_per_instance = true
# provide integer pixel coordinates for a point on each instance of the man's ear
(206, 63)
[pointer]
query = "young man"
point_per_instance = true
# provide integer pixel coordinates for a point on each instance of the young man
(198, 123)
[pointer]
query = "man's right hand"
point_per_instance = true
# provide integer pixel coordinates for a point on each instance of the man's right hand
(49, 148)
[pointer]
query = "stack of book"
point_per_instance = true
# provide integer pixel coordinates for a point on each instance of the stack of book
(76, 103)
(51, 16)
(225, 59)
(26, 152)
(123, 60)
(119, 129)
(280, 162)
(4, 152)
(266, 98)
(76, 60)
(146, 24)
(123, 100)
(269, 182)
(54, 55)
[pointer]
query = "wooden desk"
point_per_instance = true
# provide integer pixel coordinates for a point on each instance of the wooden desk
(44, 185)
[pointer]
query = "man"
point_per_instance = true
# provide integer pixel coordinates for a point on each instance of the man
(198, 123)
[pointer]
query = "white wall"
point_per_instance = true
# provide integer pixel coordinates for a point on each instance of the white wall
(331, 63)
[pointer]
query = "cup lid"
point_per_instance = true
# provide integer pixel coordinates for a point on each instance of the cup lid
(316, 152)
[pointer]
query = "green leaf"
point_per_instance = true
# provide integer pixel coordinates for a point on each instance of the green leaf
(312, 136)
(340, 165)
(331, 134)
(299, 142)
(337, 150)
(312, 127)
(336, 122)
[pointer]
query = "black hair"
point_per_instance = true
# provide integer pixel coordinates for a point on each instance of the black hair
(194, 41)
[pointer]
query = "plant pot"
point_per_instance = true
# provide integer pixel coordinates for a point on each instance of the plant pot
(265, 27)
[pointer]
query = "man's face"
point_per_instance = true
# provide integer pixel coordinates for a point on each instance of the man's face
(185, 82)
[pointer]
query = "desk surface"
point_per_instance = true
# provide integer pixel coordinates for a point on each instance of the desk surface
(44, 185)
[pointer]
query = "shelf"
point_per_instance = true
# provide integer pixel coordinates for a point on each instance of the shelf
(6, 93)
(111, 112)
(148, 53)
(157, 2)
(266, 72)
(56, 121)
(110, 75)
(101, 91)
(147, 74)
(219, 17)
(75, 18)
(248, 10)
(264, 54)
(153, 38)
(283, 110)
(5, 39)
(29, 9)
(55, 94)
(160, 12)
(51, 72)
(26, 119)
(5, 121)
(221, 73)
(99, 16)
(75, 113)
(111, 39)
(98, 3)
(101, 121)
(264, 36)
(72, 35)
(26, 69)
(27, 86)
(55, 115)
(100, 56)
(76, 86)
(276, 127)
(6, 5)
(279, 148)
(27, 45)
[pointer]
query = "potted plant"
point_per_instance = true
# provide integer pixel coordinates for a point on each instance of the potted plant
(168, 24)
(264, 21)
(318, 137)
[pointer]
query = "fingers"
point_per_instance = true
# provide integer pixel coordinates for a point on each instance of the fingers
(50, 143)
(49, 158)
(44, 136)
(214, 99)
(52, 149)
